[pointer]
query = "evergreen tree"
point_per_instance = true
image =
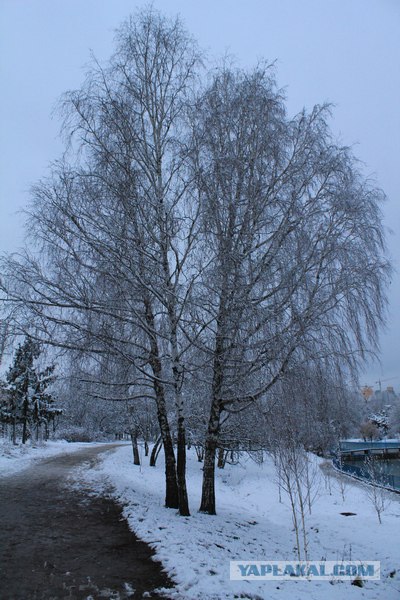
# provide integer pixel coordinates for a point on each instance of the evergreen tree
(22, 381)
(44, 409)
(27, 401)
(6, 406)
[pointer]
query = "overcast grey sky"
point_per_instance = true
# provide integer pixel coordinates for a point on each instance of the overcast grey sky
(343, 51)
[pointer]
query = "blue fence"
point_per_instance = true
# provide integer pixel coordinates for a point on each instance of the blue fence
(372, 475)
(347, 446)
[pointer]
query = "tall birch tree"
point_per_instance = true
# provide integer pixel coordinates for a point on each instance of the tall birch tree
(113, 219)
(293, 252)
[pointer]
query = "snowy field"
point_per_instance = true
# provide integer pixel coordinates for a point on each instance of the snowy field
(16, 458)
(252, 524)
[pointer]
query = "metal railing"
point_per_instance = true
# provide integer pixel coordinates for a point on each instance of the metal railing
(370, 475)
(347, 446)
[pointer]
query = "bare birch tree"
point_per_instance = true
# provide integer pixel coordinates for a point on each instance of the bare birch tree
(114, 222)
(375, 490)
(293, 245)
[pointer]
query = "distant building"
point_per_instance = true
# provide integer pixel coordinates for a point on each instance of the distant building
(385, 398)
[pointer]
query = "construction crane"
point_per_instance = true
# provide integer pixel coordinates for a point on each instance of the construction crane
(367, 390)
(380, 381)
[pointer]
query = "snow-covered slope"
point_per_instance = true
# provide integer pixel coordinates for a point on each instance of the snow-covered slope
(252, 524)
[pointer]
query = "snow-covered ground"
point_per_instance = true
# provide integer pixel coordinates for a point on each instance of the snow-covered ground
(16, 458)
(253, 525)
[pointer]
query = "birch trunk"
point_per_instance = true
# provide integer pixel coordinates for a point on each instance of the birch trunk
(135, 449)
(208, 489)
(171, 492)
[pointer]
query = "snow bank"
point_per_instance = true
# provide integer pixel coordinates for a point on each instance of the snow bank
(252, 524)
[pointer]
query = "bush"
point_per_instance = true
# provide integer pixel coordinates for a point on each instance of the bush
(73, 433)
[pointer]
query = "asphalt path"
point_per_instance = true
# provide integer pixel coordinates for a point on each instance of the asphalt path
(57, 542)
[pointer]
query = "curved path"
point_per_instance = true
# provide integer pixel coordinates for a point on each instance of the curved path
(58, 543)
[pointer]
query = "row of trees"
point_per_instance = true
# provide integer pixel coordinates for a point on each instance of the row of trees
(196, 244)
(25, 400)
